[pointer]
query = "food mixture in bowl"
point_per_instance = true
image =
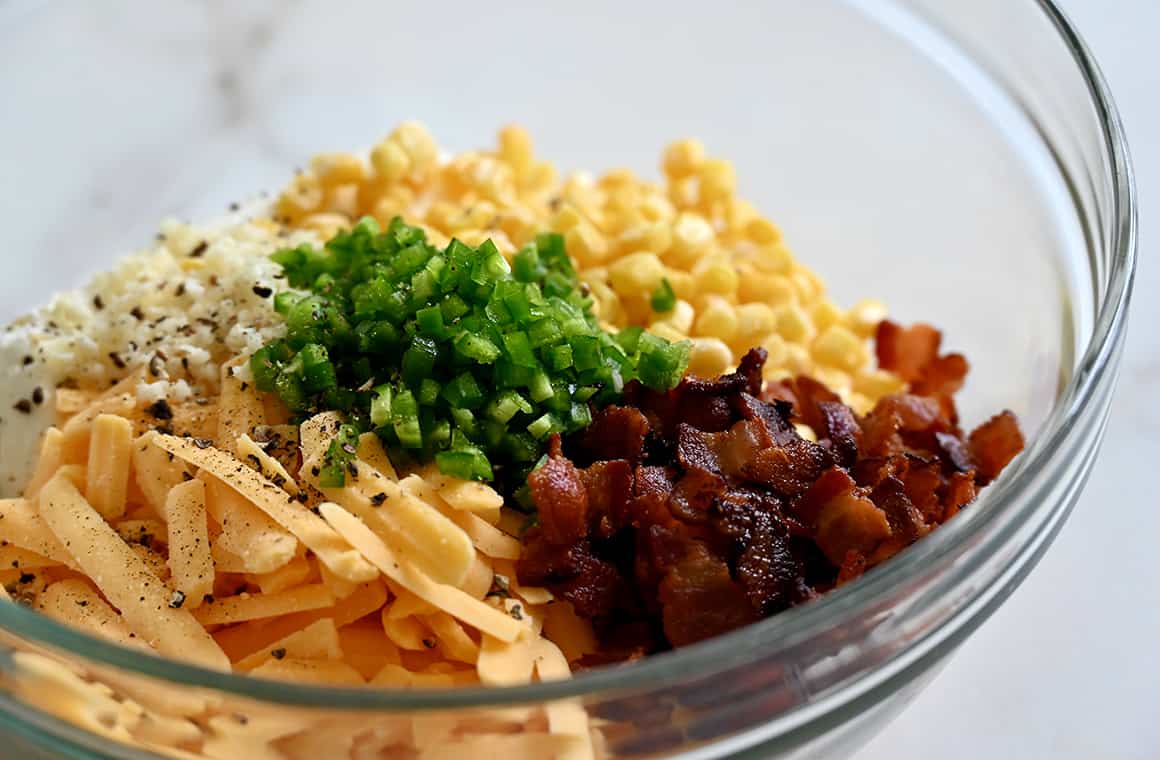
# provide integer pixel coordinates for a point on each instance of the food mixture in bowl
(430, 421)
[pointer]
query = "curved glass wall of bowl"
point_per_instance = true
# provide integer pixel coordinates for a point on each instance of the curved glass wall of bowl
(958, 158)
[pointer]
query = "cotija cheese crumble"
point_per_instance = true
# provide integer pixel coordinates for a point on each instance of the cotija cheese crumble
(181, 308)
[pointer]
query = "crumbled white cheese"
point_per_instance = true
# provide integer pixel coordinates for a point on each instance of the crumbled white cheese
(198, 298)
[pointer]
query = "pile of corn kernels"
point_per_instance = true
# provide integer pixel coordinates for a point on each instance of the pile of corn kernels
(736, 282)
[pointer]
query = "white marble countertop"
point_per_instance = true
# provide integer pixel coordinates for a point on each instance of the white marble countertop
(1069, 667)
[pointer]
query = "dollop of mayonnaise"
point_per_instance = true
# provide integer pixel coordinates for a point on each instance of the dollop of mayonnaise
(25, 411)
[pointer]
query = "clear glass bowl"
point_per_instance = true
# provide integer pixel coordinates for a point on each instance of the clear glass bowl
(960, 159)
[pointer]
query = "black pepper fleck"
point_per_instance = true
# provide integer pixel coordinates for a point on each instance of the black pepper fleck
(199, 249)
(24, 406)
(160, 410)
(261, 291)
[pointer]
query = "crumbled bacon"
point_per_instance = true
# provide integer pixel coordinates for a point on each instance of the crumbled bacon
(993, 444)
(682, 515)
(906, 351)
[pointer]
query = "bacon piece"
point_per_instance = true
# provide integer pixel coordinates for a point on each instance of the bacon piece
(842, 429)
(766, 566)
(561, 498)
(905, 351)
(994, 444)
(850, 522)
(906, 522)
(959, 491)
(853, 566)
(700, 598)
(941, 376)
(776, 416)
(954, 450)
(616, 432)
(694, 494)
(594, 587)
(608, 485)
(922, 482)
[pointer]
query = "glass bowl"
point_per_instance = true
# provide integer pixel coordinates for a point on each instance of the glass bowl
(960, 159)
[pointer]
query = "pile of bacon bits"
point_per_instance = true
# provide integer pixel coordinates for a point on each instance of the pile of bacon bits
(682, 515)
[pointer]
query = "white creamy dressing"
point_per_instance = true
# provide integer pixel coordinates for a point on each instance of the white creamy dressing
(20, 431)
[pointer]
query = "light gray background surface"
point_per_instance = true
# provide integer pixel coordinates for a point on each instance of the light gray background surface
(1069, 667)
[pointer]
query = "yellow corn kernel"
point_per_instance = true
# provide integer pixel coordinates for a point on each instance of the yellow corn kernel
(656, 237)
(759, 287)
(666, 331)
(680, 317)
(692, 236)
(717, 277)
(775, 347)
(387, 208)
(616, 222)
(303, 196)
(834, 379)
(620, 177)
(754, 319)
(338, 168)
(639, 272)
(682, 158)
(637, 308)
(585, 244)
(762, 231)
(657, 208)
(605, 302)
(541, 176)
(683, 192)
(684, 285)
(718, 181)
(326, 224)
(864, 316)
(515, 147)
(775, 259)
(441, 213)
(824, 314)
(418, 144)
(838, 347)
(709, 357)
(738, 214)
(390, 161)
(807, 284)
(794, 325)
(478, 215)
(494, 180)
(342, 199)
(519, 223)
(718, 319)
(797, 360)
(805, 431)
(565, 219)
(876, 383)
(856, 401)
(436, 237)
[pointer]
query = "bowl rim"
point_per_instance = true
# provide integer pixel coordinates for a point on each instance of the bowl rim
(1094, 372)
